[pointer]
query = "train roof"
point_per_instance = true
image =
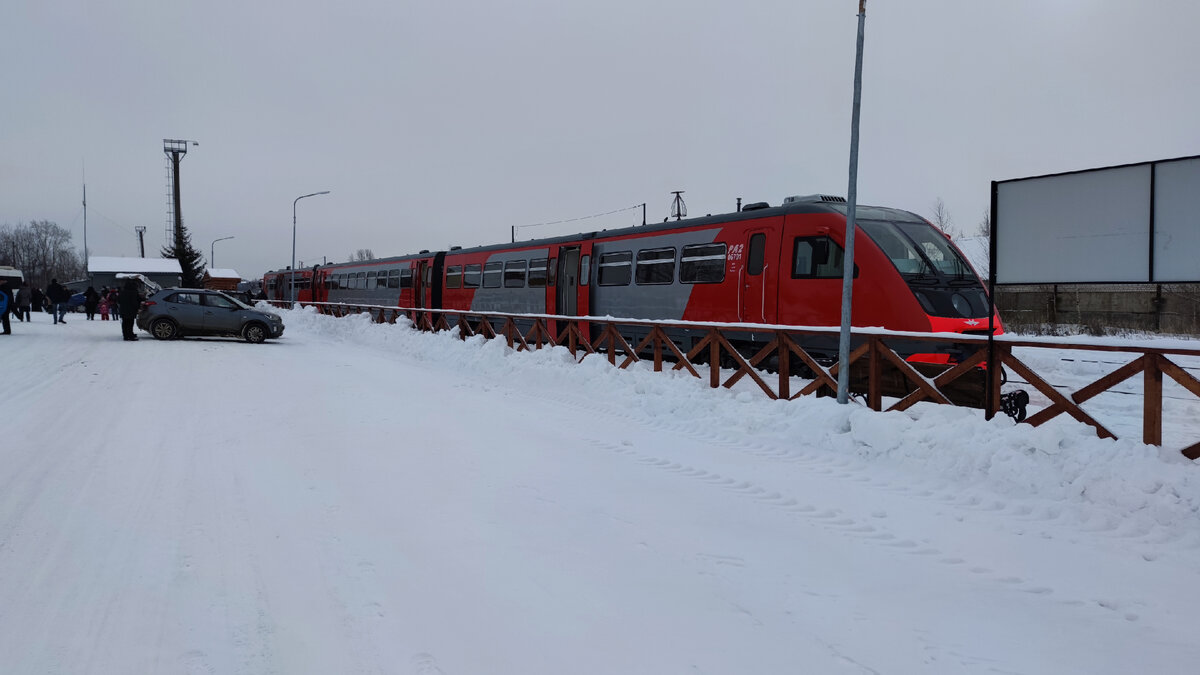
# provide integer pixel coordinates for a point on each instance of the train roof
(792, 205)
(812, 204)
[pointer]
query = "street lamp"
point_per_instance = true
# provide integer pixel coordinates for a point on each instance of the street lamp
(211, 248)
(292, 277)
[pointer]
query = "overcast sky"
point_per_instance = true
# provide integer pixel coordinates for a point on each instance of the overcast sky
(438, 123)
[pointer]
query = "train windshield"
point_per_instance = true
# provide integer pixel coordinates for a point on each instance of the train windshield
(916, 248)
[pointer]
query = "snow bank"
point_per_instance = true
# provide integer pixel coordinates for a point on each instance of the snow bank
(1125, 484)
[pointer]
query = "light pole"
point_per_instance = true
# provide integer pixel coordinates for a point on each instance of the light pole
(843, 388)
(292, 276)
(211, 249)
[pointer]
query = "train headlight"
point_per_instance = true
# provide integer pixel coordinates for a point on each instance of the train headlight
(961, 304)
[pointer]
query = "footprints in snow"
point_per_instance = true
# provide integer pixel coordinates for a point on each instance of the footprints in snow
(835, 520)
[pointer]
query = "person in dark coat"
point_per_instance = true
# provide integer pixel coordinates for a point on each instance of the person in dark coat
(39, 300)
(130, 302)
(8, 302)
(91, 301)
(58, 296)
(113, 305)
(24, 300)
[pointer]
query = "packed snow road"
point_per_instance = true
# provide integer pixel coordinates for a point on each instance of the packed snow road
(356, 498)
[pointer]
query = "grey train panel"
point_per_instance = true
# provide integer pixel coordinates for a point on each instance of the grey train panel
(647, 301)
(523, 300)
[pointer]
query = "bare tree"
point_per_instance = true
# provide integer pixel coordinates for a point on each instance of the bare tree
(42, 250)
(943, 220)
(985, 226)
(362, 254)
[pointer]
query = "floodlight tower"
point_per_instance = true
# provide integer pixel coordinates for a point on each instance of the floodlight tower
(175, 150)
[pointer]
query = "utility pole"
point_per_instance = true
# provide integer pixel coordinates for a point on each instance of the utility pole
(843, 392)
(86, 269)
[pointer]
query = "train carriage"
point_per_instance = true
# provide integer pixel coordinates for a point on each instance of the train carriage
(760, 265)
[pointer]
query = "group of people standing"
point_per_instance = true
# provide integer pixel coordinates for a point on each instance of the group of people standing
(106, 301)
(123, 304)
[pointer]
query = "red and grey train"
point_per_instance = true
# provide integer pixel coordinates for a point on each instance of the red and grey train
(761, 265)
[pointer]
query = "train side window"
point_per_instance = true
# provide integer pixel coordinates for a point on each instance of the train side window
(538, 268)
(702, 264)
(514, 274)
(585, 270)
(428, 280)
(406, 277)
(454, 276)
(471, 275)
(360, 280)
(655, 266)
(370, 280)
(615, 269)
(493, 272)
(758, 246)
(817, 258)
(393, 279)
(381, 279)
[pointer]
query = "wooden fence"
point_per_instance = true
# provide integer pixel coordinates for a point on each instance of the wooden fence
(878, 365)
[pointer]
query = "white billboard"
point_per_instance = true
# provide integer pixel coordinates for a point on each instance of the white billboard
(1134, 223)
(1177, 220)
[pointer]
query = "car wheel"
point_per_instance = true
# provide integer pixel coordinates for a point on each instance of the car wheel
(164, 329)
(254, 332)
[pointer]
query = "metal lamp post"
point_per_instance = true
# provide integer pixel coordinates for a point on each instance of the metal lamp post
(292, 276)
(211, 249)
(843, 389)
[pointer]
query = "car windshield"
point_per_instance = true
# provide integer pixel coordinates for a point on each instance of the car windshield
(916, 248)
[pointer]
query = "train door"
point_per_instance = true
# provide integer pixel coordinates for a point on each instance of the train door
(754, 305)
(436, 281)
(418, 283)
(565, 291)
(320, 290)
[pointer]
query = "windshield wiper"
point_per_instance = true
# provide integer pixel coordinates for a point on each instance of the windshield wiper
(922, 279)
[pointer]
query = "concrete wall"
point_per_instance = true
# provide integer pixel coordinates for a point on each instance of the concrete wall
(1172, 309)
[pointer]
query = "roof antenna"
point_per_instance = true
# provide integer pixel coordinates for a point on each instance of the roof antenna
(678, 208)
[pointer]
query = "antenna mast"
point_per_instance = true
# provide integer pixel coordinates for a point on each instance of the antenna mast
(678, 208)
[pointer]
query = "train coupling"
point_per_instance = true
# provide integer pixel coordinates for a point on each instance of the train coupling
(1013, 404)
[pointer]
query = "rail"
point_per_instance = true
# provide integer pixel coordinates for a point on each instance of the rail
(783, 366)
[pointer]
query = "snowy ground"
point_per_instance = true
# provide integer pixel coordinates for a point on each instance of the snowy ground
(357, 498)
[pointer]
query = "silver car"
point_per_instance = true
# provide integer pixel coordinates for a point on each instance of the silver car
(175, 312)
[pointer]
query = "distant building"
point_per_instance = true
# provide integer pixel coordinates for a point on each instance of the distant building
(103, 271)
(221, 280)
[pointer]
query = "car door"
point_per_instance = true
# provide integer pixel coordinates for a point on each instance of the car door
(185, 309)
(221, 315)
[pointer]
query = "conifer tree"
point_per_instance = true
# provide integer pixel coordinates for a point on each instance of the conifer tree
(191, 261)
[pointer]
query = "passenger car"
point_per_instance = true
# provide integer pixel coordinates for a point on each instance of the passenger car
(174, 312)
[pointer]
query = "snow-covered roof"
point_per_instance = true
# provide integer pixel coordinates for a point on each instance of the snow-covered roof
(139, 265)
(218, 273)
